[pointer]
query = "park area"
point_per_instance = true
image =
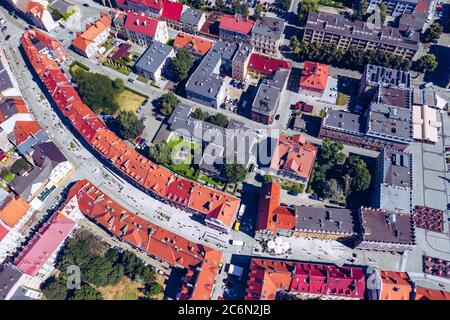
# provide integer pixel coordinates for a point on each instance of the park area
(102, 94)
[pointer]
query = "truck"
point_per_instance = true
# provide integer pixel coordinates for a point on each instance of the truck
(241, 211)
(234, 270)
(237, 225)
(237, 242)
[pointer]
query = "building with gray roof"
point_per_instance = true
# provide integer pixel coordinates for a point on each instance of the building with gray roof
(152, 62)
(384, 230)
(393, 186)
(334, 28)
(206, 86)
(394, 8)
(325, 223)
(63, 6)
(267, 34)
(192, 20)
(268, 96)
(9, 278)
(375, 76)
(236, 142)
(5, 80)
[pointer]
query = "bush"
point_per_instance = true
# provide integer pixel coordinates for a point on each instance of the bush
(267, 178)
(54, 289)
(19, 165)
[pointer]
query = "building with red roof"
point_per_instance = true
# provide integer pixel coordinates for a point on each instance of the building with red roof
(147, 7)
(202, 263)
(144, 30)
(271, 279)
(3, 232)
(217, 208)
(37, 258)
(89, 42)
(198, 47)
(293, 158)
(260, 66)
(172, 12)
(235, 28)
(314, 78)
(395, 286)
(430, 294)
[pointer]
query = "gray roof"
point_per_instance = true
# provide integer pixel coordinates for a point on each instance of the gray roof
(205, 81)
(237, 140)
(425, 96)
(395, 183)
(155, 55)
(269, 27)
(9, 275)
(390, 123)
(299, 123)
(27, 145)
(401, 98)
(8, 108)
(386, 226)
(343, 121)
(22, 184)
(5, 80)
(47, 150)
(330, 220)
(243, 52)
(21, 294)
(269, 92)
(191, 16)
(386, 77)
(62, 5)
(338, 24)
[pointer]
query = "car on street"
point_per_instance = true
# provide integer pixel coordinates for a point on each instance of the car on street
(7, 37)
(4, 28)
(86, 5)
(277, 117)
(130, 80)
(138, 110)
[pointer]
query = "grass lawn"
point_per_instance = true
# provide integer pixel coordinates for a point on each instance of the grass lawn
(122, 70)
(142, 79)
(9, 177)
(342, 99)
(205, 179)
(184, 169)
(129, 101)
(124, 290)
(287, 184)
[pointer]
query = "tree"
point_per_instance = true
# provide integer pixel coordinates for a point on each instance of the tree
(234, 172)
(432, 33)
(54, 289)
(130, 126)
(218, 119)
(304, 7)
(167, 103)
(86, 292)
(182, 63)
(19, 165)
(331, 152)
(285, 4)
(383, 12)
(333, 190)
(360, 10)
(356, 169)
(152, 290)
(426, 63)
(241, 8)
(98, 91)
(267, 178)
(118, 85)
(258, 11)
(199, 114)
(161, 153)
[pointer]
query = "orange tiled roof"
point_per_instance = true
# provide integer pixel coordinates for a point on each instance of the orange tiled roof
(430, 294)
(13, 102)
(13, 210)
(295, 154)
(269, 201)
(396, 286)
(92, 31)
(24, 129)
(314, 76)
(207, 276)
(215, 205)
(196, 45)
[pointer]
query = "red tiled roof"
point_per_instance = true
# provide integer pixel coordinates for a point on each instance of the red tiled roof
(3, 232)
(44, 244)
(236, 24)
(269, 201)
(430, 294)
(92, 31)
(196, 45)
(172, 10)
(24, 129)
(153, 4)
(13, 102)
(211, 203)
(141, 24)
(314, 76)
(13, 210)
(396, 286)
(294, 154)
(328, 280)
(267, 65)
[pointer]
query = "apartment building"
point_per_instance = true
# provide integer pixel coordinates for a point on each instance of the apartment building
(153, 61)
(267, 34)
(235, 28)
(333, 28)
(151, 8)
(89, 42)
(144, 30)
(395, 8)
(192, 20)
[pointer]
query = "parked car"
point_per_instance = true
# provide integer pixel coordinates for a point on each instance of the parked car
(313, 197)
(4, 28)
(130, 80)
(86, 5)
(7, 37)
(138, 110)
(277, 117)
